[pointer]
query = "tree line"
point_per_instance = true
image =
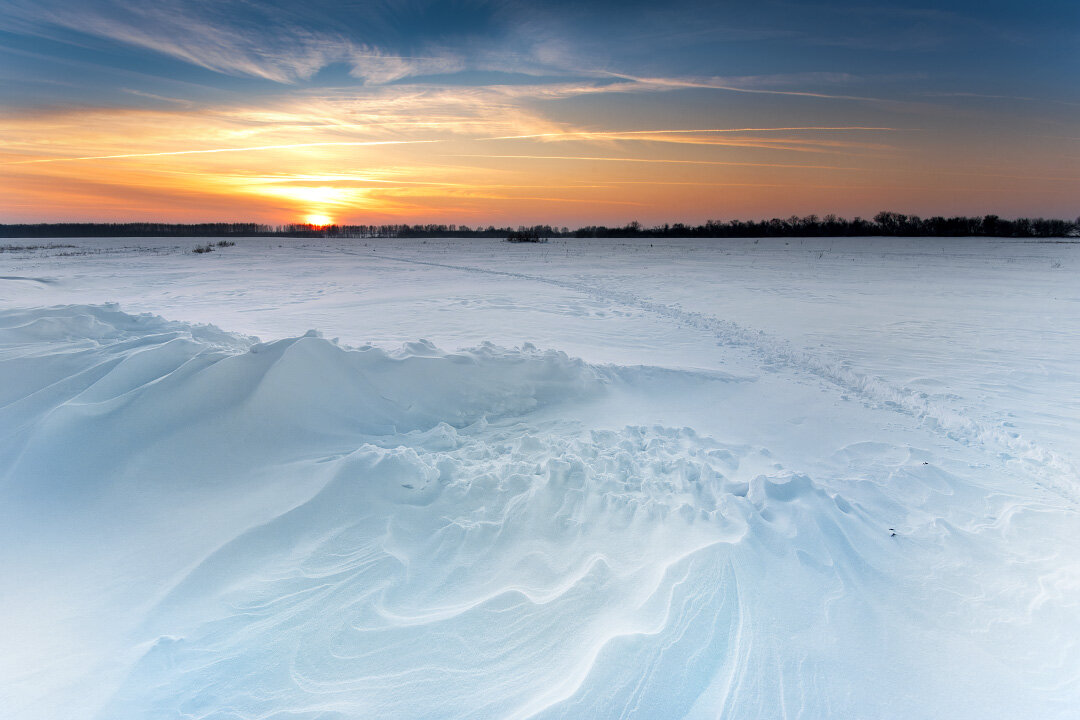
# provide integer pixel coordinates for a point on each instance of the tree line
(885, 223)
(244, 229)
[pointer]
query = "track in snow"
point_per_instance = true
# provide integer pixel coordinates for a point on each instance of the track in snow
(1046, 468)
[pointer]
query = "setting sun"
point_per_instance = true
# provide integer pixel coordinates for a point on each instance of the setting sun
(673, 359)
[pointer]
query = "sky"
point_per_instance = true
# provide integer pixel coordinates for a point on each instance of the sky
(525, 111)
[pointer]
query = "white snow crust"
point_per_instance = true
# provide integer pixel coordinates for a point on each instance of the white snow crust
(619, 478)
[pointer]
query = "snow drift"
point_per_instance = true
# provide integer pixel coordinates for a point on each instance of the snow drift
(195, 524)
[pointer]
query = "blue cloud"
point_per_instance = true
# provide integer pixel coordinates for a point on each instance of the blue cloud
(238, 44)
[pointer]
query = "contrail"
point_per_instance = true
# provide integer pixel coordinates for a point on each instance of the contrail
(225, 150)
(613, 133)
(671, 82)
(649, 160)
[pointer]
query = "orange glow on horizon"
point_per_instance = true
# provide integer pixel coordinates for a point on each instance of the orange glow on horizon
(481, 156)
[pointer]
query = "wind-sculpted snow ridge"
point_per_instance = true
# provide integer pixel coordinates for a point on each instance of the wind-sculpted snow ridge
(1054, 471)
(204, 526)
(146, 379)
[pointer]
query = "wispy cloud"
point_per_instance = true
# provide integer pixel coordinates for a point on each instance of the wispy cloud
(311, 119)
(723, 137)
(155, 96)
(653, 161)
(630, 133)
(202, 35)
(256, 148)
(675, 83)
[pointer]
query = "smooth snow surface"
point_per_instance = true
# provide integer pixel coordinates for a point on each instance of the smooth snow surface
(588, 479)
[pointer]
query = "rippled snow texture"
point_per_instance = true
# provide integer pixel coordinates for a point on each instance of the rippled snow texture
(199, 525)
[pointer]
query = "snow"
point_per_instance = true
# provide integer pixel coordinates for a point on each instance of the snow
(592, 478)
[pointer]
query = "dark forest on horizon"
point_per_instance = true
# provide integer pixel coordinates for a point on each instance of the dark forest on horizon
(883, 224)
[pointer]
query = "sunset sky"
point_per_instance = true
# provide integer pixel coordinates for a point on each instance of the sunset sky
(567, 113)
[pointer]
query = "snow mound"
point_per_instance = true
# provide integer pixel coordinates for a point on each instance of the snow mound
(195, 524)
(152, 387)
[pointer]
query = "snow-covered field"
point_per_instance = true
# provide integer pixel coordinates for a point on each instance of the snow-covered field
(590, 478)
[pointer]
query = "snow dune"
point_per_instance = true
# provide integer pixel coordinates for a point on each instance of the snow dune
(198, 524)
(298, 529)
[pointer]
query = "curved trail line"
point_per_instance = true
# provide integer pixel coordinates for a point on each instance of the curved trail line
(1047, 469)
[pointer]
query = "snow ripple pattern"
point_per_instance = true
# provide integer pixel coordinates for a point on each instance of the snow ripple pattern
(457, 553)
